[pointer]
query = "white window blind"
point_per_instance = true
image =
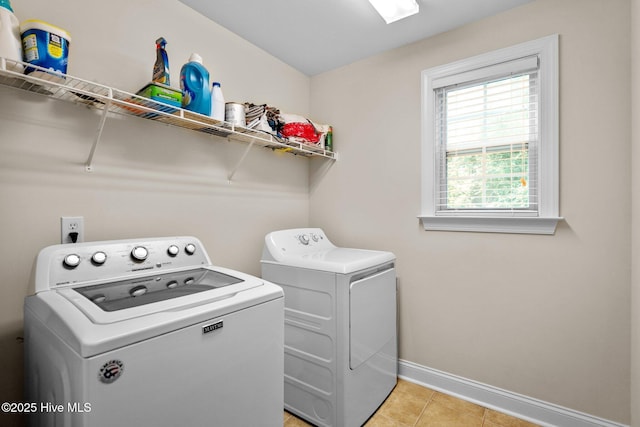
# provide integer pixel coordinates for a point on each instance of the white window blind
(486, 125)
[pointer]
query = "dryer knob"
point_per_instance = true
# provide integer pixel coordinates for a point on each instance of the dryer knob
(173, 250)
(190, 249)
(304, 239)
(139, 253)
(71, 261)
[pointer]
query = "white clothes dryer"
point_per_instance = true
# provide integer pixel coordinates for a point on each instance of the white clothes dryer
(340, 326)
(148, 333)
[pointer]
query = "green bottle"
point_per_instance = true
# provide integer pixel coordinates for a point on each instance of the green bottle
(328, 141)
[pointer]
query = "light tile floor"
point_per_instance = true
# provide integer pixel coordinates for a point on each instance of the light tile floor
(411, 405)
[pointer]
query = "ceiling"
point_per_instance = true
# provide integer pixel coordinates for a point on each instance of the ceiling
(315, 36)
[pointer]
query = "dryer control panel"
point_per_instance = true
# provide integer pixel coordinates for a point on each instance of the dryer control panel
(297, 241)
(67, 264)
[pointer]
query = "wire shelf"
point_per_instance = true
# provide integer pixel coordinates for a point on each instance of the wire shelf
(110, 100)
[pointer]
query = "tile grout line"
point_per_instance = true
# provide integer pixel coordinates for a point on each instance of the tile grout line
(424, 408)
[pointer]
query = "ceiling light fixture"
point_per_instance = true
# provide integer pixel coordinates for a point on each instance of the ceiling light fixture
(394, 10)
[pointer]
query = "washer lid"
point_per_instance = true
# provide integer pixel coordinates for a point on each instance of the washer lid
(89, 330)
(138, 291)
(310, 248)
(113, 302)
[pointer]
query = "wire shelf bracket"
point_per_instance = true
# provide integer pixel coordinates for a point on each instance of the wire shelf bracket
(239, 163)
(96, 141)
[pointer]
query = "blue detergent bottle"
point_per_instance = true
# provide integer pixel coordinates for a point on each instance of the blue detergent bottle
(194, 82)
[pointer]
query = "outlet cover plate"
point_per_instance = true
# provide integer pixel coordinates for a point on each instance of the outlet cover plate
(71, 224)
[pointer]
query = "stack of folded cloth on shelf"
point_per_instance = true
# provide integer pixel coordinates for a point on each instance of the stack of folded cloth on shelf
(253, 112)
(261, 117)
(292, 127)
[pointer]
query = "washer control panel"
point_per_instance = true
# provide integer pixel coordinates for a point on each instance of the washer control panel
(93, 261)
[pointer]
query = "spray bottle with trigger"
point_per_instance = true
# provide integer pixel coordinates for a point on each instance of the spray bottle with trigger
(161, 67)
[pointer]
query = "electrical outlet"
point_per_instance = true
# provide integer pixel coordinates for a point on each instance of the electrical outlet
(70, 225)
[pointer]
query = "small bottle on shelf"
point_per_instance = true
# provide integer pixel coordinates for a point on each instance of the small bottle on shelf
(217, 102)
(328, 141)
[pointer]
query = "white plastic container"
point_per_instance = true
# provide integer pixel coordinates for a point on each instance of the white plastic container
(46, 46)
(10, 43)
(217, 102)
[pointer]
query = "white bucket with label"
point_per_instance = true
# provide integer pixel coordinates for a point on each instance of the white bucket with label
(46, 46)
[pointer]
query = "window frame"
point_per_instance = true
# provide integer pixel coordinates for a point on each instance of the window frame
(546, 49)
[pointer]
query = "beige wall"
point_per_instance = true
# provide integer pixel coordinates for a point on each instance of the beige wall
(544, 316)
(635, 220)
(552, 324)
(150, 179)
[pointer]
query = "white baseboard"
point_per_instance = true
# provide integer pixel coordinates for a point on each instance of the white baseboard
(523, 407)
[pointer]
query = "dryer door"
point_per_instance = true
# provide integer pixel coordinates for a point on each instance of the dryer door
(372, 312)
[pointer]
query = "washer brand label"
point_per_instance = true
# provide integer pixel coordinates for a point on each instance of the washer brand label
(212, 327)
(111, 371)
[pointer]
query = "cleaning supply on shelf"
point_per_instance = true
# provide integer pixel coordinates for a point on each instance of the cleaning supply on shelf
(10, 44)
(217, 102)
(166, 99)
(161, 67)
(234, 113)
(162, 93)
(46, 46)
(328, 141)
(194, 82)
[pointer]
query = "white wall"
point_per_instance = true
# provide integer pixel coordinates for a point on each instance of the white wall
(150, 179)
(544, 316)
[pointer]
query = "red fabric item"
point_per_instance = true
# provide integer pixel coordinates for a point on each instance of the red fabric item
(301, 130)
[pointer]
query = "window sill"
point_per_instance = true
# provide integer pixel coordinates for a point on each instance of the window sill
(514, 225)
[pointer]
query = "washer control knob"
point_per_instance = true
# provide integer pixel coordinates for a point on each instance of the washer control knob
(304, 239)
(138, 291)
(71, 261)
(173, 250)
(190, 249)
(99, 258)
(139, 253)
(314, 237)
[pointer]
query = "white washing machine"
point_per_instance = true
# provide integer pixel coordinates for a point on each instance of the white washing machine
(148, 333)
(340, 326)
